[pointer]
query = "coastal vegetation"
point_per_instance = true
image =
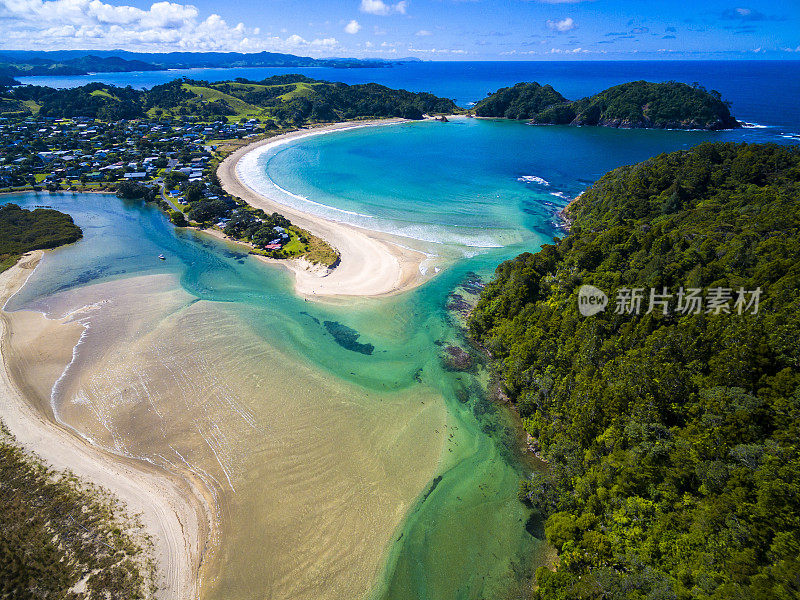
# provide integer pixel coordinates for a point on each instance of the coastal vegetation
(279, 101)
(63, 538)
(522, 101)
(637, 104)
(164, 145)
(670, 436)
(25, 230)
(31, 64)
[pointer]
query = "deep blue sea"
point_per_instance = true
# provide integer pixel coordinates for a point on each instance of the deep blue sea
(764, 92)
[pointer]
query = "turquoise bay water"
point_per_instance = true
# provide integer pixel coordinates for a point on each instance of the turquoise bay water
(471, 183)
(467, 536)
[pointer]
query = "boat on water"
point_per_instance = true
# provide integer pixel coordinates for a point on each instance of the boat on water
(162, 257)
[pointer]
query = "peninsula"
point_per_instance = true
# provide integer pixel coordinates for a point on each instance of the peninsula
(670, 432)
(26, 63)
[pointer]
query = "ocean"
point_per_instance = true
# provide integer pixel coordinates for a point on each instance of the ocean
(348, 460)
(763, 92)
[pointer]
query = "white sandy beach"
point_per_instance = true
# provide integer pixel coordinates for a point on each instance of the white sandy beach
(372, 263)
(170, 510)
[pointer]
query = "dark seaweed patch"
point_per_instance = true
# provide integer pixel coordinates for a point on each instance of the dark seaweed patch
(312, 317)
(347, 337)
(434, 483)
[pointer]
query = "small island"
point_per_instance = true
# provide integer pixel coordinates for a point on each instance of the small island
(633, 105)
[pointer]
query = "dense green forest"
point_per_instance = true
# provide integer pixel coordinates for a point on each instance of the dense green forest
(24, 230)
(56, 532)
(283, 99)
(522, 101)
(672, 439)
(638, 104)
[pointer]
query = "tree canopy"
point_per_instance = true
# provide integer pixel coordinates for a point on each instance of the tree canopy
(671, 438)
(292, 99)
(24, 230)
(522, 101)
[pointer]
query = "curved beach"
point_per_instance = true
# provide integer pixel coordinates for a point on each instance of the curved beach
(371, 263)
(170, 507)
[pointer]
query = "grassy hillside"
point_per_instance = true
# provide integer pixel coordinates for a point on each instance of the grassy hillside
(284, 99)
(638, 104)
(671, 436)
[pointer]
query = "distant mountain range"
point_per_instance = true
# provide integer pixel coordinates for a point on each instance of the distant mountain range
(21, 63)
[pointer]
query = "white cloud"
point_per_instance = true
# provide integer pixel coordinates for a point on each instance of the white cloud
(298, 42)
(352, 27)
(562, 25)
(438, 50)
(379, 7)
(423, 33)
(576, 51)
(87, 24)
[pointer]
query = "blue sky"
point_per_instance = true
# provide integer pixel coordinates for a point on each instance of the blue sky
(427, 29)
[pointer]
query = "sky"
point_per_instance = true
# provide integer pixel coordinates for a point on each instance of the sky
(426, 29)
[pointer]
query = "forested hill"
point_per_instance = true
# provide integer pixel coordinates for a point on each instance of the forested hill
(81, 62)
(638, 104)
(292, 99)
(81, 65)
(674, 467)
(522, 101)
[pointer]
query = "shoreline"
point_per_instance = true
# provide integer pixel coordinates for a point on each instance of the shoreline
(173, 509)
(372, 263)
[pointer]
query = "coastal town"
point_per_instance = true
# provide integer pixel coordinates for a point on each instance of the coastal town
(169, 162)
(81, 152)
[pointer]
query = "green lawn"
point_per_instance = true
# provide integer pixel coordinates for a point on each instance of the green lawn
(295, 246)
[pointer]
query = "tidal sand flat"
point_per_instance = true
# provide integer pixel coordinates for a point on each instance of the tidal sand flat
(308, 474)
(35, 351)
